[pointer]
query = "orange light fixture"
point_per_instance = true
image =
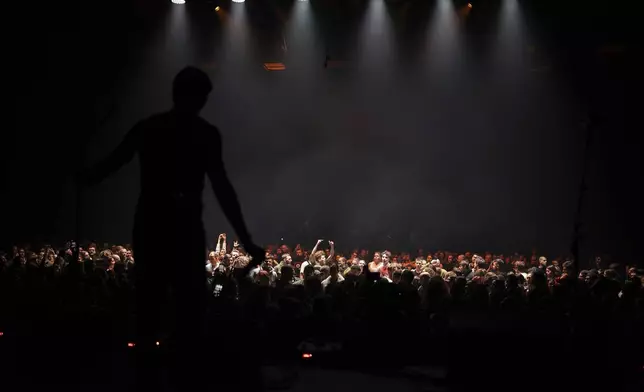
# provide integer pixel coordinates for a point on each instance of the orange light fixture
(274, 66)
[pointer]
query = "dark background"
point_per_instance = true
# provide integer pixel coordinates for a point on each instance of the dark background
(452, 135)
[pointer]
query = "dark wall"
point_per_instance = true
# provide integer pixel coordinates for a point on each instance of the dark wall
(599, 43)
(64, 56)
(60, 57)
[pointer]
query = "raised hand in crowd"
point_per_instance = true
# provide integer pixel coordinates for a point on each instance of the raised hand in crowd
(331, 253)
(315, 249)
(221, 243)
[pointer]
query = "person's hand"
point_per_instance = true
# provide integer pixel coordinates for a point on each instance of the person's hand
(320, 241)
(331, 243)
(223, 235)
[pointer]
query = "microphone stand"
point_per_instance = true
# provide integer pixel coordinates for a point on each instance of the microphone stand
(575, 246)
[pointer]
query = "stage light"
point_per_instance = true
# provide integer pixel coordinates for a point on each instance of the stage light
(158, 343)
(131, 345)
(469, 5)
(178, 1)
(217, 8)
(1, 334)
(238, 1)
(307, 356)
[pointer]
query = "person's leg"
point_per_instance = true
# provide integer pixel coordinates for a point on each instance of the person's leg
(150, 290)
(190, 295)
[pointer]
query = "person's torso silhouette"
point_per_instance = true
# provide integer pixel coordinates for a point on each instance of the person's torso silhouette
(173, 154)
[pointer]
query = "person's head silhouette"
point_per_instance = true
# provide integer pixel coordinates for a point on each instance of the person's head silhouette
(190, 90)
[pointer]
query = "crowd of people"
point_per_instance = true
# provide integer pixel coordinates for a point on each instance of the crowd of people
(295, 266)
(337, 296)
(427, 280)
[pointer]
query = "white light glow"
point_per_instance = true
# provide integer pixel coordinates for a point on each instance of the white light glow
(178, 1)
(299, 47)
(236, 45)
(376, 44)
(512, 36)
(238, 1)
(444, 38)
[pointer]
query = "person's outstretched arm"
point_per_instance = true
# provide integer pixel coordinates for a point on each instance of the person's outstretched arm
(113, 162)
(331, 254)
(312, 255)
(218, 247)
(225, 192)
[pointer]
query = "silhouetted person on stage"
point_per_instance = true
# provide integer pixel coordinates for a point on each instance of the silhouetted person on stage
(176, 150)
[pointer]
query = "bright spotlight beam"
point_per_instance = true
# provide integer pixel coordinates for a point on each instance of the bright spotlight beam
(444, 38)
(236, 50)
(512, 36)
(376, 38)
(178, 1)
(299, 48)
